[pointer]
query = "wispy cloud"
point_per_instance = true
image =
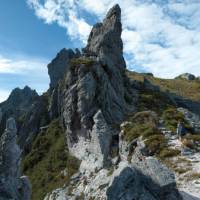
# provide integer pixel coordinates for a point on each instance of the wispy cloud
(64, 13)
(4, 95)
(20, 71)
(22, 65)
(159, 36)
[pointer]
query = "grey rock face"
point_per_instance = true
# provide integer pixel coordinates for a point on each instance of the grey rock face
(130, 182)
(187, 76)
(11, 185)
(99, 85)
(192, 118)
(101, 139)
(56, 70)
(163, 180)
(105, 39)
(58, 66)
(36, 117)
(106, 44)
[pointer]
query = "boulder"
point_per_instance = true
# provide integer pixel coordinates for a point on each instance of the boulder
(187, 76)
(143, 179)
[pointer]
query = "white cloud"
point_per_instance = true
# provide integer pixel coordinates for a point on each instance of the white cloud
(64, 13)
(22, 65)
(20, 71)
(4, 95)
(163, 38)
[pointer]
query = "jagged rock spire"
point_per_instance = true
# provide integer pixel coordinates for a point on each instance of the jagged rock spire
(11, 185)
(105, 39)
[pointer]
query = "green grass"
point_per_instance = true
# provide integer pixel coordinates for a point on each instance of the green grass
(155, 101)
(155, 144)
(171, 118)
(192, 141)
(180, 87)
(144, 124)
(168, 152)
(141, 124)
(48, 157)
(76, 62)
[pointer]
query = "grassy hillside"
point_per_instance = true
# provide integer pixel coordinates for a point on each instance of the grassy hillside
(49, 165)
(181, 87)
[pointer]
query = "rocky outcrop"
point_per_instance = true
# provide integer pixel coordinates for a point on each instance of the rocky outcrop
(130, 182)
(95, 83)
(142, 178)
(192, 119)
(160, 180)
(12, 186)
(57, 70)
(187, 76)
(30, 111)
(94, 99)
(59, 65)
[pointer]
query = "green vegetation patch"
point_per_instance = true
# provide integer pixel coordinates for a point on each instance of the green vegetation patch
(192, 141)
(155, 101)
(168, 152)
(144, 124)
(171, 118)
(184, 88)
(155, 144)
(141, 124)
(81, 61)
(47, 159)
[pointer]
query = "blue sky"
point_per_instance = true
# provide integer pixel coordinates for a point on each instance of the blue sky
(160, 36)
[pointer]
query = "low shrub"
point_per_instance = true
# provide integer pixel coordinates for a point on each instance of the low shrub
(141, 124)
(171, 118)
(155, 144)
(81, 61)
(168, 152)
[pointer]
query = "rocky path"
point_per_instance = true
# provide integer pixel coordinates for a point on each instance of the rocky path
(188, 179)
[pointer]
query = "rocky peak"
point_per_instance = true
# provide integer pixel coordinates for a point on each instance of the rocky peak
(21, 96)
(59, 65)
(19, 102)
(105, 39)
(95, 92)
(187, 76)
